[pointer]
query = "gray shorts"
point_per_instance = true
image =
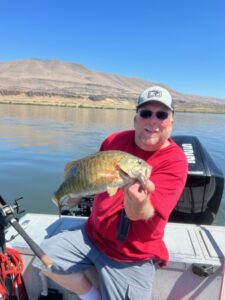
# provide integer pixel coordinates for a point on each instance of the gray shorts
(72, 251)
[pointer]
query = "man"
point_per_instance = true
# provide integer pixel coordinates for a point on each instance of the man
(123, 237)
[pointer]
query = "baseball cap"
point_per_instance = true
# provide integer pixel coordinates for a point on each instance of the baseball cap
(156, 93)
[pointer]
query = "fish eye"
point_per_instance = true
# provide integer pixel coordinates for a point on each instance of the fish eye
(139, 162)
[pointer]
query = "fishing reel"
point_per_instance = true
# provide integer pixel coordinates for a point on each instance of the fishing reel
(7, 211)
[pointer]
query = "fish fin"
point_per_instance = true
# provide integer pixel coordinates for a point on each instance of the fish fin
(55, 200)
(112, 190)
(57, 203)
(70, 165)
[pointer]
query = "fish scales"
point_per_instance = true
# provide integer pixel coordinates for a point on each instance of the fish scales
(83, 180)
(99, 169)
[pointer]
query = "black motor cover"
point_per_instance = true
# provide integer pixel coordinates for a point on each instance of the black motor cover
(200, 200)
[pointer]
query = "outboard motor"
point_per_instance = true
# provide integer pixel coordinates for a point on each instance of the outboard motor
(200, 200)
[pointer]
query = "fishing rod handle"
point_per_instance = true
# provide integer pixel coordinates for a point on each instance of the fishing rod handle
(36, 249)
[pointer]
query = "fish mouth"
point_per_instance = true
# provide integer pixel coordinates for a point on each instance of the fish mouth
(142, 178)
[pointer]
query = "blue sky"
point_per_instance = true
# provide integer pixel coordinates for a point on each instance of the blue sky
(178, 43)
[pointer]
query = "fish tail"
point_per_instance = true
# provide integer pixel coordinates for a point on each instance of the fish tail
(55, 200)
(57, 203)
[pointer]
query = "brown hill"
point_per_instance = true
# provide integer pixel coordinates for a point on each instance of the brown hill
(61, 83)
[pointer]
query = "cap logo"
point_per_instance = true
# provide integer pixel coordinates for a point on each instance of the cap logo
(154, 93)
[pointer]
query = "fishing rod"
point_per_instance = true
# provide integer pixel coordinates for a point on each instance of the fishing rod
(7, 217)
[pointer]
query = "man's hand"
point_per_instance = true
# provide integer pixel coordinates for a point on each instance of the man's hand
(137, 202)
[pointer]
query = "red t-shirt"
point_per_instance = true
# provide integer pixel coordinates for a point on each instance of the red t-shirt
(145, 238)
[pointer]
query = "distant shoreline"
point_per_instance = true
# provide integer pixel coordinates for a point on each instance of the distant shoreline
(102, 104)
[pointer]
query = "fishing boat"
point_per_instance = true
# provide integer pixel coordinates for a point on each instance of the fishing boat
(196, 268)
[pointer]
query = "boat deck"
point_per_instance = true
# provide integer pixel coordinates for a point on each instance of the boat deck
(194, 270)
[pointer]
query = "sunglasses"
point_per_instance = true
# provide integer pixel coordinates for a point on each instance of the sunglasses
(147, 114)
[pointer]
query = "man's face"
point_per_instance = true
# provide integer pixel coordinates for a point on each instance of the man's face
(152, 132)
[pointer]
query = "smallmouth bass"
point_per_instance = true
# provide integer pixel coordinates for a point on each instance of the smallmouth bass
(101, 172)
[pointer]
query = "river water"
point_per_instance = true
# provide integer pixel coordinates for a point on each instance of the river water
(37, 141)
